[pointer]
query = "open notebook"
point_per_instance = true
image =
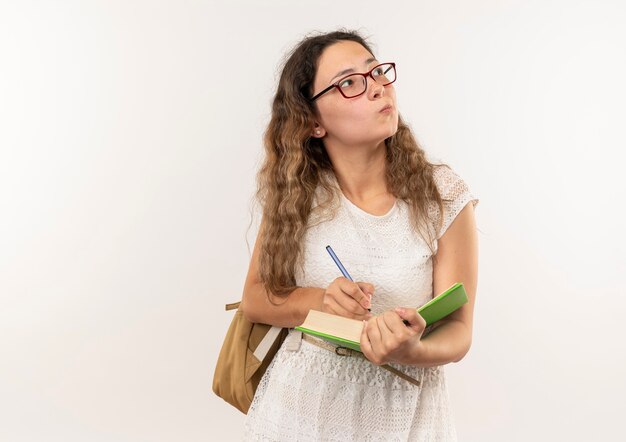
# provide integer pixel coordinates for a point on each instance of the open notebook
(346, 332)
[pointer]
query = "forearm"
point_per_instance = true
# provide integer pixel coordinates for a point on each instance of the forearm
(287, 311)
(447, 343)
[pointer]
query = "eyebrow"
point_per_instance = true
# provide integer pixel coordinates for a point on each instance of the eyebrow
(350, 70)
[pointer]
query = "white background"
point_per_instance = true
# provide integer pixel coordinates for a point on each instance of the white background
(130, 134)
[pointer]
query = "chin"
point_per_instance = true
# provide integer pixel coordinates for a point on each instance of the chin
(392, 131)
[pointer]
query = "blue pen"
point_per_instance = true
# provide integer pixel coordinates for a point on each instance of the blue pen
(343, 270)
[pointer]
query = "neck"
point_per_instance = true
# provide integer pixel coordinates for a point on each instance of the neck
(360, 171)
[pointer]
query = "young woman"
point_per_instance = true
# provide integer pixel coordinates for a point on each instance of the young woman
(343, 169)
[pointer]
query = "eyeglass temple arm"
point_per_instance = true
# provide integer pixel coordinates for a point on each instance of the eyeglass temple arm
(322, 92)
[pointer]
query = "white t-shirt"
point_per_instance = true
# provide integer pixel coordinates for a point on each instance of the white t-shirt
(314, 394)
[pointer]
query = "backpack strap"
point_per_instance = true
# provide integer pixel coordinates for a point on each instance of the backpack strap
(232, 306)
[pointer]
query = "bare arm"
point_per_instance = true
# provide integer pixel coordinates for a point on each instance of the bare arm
(342, 297)
(287, 311)
(456, 261)
(386, 339)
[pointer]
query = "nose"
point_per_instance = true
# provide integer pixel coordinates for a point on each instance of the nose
(374, 89)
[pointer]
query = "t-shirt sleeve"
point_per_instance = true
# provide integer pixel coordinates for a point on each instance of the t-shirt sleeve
(455, 195)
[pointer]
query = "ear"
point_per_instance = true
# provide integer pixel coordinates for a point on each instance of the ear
(318, 131)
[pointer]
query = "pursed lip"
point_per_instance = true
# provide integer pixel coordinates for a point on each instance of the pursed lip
(386, 108)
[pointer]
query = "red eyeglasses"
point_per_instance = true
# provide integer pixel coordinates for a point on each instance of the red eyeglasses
(355, 84)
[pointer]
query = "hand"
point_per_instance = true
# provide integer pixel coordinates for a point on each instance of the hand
(386, 338)
(349, 299)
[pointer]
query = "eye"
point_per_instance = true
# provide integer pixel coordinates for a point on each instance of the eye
(346, 83)
(378, 71)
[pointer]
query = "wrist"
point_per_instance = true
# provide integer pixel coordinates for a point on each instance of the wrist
(309, 298)
(417, 354)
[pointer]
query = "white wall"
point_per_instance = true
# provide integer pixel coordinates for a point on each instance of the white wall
(130, 135)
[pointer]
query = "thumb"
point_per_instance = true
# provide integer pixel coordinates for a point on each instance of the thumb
(412, 319)
(368, 289)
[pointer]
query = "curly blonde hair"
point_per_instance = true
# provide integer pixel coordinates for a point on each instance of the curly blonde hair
(296, 166)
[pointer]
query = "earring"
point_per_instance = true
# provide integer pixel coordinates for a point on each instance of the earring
(317, 132)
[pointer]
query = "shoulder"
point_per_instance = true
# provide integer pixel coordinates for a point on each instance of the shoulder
(455, 195)
(449, 184)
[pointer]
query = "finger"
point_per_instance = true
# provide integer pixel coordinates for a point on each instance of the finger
(367, 288)
(349, 304)
(354, 291)
(394, 323)
(414, 320)
(352, 315)
(388, 338)
(332, 306)
(366, 345)
(375, 337)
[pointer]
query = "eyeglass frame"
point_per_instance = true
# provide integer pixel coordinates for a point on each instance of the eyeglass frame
(363, 74)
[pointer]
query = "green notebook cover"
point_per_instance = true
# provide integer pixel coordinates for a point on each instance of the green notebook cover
(444, 304)
(434, 310)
